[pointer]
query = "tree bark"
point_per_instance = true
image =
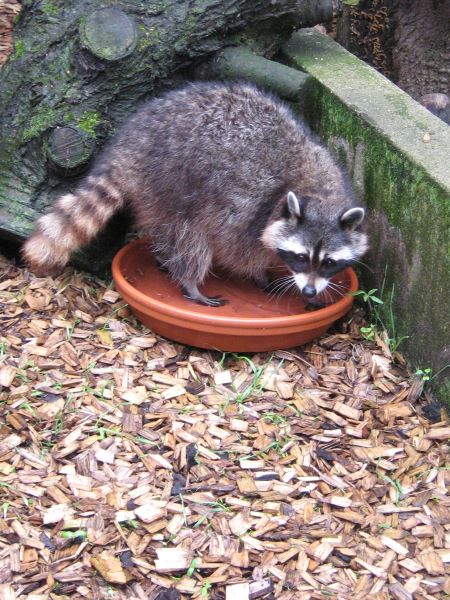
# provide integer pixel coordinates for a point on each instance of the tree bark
(407, 40)
(422, 47)
(78, 69)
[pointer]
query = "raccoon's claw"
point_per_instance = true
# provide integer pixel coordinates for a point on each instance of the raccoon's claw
(194, 295)
(210, 301)
(160, 266)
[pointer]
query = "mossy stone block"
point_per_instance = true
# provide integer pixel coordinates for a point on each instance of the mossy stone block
(398, 155)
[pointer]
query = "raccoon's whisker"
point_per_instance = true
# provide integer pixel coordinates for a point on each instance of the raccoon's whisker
(336, 284)
(363, 264)
(330, 296)
(279, 290)
(339, 290)
(287, 289)
(282, 285)
(278, 282)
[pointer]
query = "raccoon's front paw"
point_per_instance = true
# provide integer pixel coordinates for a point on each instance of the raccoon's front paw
(315, 305)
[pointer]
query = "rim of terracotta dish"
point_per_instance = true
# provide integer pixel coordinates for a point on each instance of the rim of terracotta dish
(316, 316)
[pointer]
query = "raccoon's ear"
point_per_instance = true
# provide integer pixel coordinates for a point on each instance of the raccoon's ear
(294, 206)
(352, 218)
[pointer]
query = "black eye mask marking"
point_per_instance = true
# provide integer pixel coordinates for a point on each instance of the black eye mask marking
(299, 263)
(328, 270)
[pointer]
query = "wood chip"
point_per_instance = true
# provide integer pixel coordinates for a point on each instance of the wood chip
(138, 463)
(109, 567)
(172, 559)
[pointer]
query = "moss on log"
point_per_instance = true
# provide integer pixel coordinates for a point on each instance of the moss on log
(80, 69)
(240, 63)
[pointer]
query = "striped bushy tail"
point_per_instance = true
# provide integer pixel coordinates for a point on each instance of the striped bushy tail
(73, 221)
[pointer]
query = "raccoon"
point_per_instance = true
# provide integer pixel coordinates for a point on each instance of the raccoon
(216, 174)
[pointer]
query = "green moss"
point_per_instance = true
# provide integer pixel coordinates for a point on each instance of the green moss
(150, 36)
(69, 117)
(19, 50)
(89, 121)
(50, 9)
(414, 239)
(42, 120)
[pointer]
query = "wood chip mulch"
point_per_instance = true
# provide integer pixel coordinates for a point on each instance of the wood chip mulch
(135, 468)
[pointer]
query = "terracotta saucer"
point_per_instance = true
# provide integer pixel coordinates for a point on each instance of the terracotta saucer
(251, 321)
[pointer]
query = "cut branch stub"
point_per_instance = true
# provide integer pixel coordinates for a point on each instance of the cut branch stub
(109, 34)
(312, 12)
(240, 63)
(69, 150)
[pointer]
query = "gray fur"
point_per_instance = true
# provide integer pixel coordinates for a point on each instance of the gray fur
(207, 169)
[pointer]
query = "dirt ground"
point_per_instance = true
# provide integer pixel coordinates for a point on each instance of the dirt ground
(132, 467)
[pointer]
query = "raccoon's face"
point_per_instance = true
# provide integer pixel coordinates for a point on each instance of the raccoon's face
(313, 244)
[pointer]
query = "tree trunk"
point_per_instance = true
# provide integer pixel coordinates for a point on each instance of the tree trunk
(8, 13)
(407, 40)
(78, 69)
(422, 47)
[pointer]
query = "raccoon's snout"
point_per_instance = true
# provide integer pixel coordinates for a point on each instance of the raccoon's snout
(309, 291)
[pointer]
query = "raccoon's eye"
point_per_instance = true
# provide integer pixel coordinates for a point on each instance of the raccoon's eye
(329, 262)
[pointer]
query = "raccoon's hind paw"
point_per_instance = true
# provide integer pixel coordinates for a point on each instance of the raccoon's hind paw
(192, 293)
(161, 266)
(213, 301)
(208, 300)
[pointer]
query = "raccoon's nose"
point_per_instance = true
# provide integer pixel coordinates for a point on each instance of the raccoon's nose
(309, 291)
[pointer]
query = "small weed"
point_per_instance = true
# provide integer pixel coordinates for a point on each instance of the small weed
(395, 483)
(28, 407)
(29, 364)
(216, 507)
(70, 535)
(368, 333)
(425, 374)
(368, 296)
(276, 445)
(90, 366)
(103, 387)
(274, 418)
(192, 568)
(3, 350)
(132, 524)
(21, 294)
(255, 387)
(104, 432)
(204, 590)
(71, 328)
(5, 507)
(381, 313)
